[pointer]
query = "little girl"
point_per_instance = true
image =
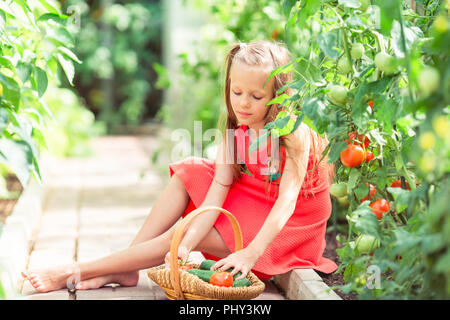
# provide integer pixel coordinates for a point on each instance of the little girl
(282, 213)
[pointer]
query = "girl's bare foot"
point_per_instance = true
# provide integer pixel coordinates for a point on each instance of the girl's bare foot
(126, 279)
(54, 278)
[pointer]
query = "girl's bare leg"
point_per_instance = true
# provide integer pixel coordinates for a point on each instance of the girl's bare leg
(164, 213)
(139, 256)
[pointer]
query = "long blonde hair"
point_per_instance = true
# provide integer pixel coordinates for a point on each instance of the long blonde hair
(260, 53)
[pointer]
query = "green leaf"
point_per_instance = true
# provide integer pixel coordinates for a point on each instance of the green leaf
(328, 42)
(389, 11)
(5, 62)
(24, 129)
(412, 34)
(18, 156)
(287, 6)
(60, 36)
(353, 178)
(367, 222)
(40, 77)
(381, 176)
(361, 191)
(50, 7)
(335, 151)
(69, 54)
(23, 71)
(281, 69)
(350, 3)
(11, 90)
(60, 19)
(314, 109)
(308, 9)
(4, 118)
(255, 144)
(2, 19)
(67, 66)
(280, 100)
(401, 196)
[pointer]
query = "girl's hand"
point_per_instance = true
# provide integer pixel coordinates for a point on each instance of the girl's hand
(183, 254)
(242, 260)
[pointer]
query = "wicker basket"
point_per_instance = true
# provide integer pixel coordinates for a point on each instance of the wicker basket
(181, 285)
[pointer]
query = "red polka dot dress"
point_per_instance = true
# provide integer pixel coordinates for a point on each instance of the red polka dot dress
(301, 242)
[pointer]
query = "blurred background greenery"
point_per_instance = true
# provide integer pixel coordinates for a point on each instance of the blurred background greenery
(118, 41)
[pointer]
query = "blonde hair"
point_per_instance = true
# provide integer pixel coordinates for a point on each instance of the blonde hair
(262, 53)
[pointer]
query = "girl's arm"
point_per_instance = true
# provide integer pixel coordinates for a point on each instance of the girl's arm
(290, 185)
(291, 182)
(217, 193)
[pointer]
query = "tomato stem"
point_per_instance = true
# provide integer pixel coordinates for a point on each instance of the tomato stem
(405, 51)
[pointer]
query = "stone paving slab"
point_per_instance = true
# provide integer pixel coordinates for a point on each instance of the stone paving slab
(95, 207)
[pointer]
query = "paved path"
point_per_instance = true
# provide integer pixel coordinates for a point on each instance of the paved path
(95, 206)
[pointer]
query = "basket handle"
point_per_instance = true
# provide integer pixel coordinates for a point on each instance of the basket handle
(178, 235)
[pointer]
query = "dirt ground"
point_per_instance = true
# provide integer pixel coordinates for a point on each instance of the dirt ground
(7, 205)
(334, 278)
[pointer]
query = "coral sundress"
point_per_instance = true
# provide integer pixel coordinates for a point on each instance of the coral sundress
(300, 243)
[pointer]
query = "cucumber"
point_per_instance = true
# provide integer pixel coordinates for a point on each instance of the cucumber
(236, 275)
(202, 274)
(242, 283)
(207, 264)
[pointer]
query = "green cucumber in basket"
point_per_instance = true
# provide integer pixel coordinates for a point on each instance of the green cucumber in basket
(202, 274)
(207, 264)
(244, 282)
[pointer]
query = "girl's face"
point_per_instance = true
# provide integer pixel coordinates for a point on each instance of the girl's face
(248, 95)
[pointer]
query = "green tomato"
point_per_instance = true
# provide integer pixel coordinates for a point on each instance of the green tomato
(385, 63)
(366, 243)
(338, 189)
(357, 50)
(343, 201)
(429, 80)
(338, 93)
(344, 66)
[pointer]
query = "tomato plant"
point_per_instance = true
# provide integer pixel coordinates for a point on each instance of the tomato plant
(375, 74)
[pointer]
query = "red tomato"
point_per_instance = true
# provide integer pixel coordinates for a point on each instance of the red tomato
(221, 279)
(370, 103)
(398, 184)
(379, 207)
(352, 156)
(373, 190)
(369, 155)
(354, 136)
(184, 267)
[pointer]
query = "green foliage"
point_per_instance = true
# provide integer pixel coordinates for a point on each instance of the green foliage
(34, 41)
(407, 126)
(69, 132)
(118, 43)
